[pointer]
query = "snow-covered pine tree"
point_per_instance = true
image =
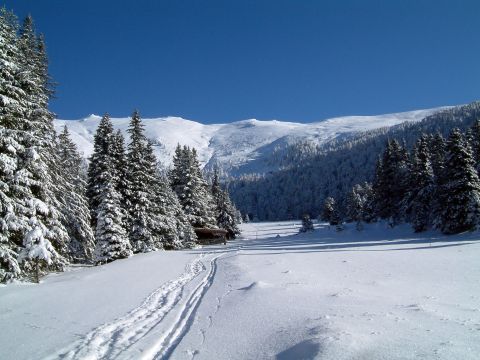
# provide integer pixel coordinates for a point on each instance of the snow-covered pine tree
(120, 158)
(437, 147)
(97, 168)
(331, 214)
(185, 232)
(173, 225)
(112, 240)
(357, 204)
(49, 186)
(328, 208)
(13, 219)
(422, 186)
(226, 213)
(307, 224)
(191, 188)
(474, 139)
(141, 196)
(460, 190)
(390, 182)
(216, 189)
(75, 203)
(368, 212)
(238, 214)
(31, 217)
(165, 206)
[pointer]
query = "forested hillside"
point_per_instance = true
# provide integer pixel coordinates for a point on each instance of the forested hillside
(312, 173)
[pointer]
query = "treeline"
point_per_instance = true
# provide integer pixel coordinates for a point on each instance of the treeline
(311, 174)
(435, 185)
(55, 211)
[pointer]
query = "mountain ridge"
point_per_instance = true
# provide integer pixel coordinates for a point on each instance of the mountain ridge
(242, 146)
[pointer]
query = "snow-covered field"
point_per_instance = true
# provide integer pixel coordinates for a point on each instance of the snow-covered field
(237, 144)
(375, 294)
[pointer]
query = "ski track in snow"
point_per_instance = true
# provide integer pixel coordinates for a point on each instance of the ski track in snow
(112, 339)
(168, 342)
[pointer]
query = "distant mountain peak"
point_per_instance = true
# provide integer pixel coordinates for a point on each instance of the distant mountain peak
(243, 145)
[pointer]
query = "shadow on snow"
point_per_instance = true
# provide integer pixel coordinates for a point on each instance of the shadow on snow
(325, 239)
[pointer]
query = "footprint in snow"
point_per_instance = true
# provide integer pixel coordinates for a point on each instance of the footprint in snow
(253, 285)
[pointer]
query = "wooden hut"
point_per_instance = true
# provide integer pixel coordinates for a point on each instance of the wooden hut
(211, 236)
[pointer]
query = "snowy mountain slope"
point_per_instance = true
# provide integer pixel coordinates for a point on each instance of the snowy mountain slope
(242, 145)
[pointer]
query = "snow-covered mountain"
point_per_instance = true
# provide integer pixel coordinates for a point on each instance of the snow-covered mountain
(241, 146)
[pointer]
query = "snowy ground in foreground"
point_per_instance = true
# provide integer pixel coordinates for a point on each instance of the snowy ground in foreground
(377, 294)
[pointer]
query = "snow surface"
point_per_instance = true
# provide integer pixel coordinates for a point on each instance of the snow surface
(273, 294)
(236, 144)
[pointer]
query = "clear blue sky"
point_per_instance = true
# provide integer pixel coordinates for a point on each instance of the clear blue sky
(219, 61)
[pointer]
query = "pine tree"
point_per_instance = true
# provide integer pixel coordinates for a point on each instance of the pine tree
(369, 203)
(307, 224)
(191, 188)
(172, 227)
(460, 191)
(12, 107)
(474, 139)
(358, 205)
(31, 220)
(185, 236)
(105, 200)
(390, 182)
(141, 179)
(330, 212)
(102, 149)
(46, 170)
(216, 189)
(327, 209)
(226, 213)
(121, 167)
(437, 147)
(422, 187)
(75, 203)
(112, 241)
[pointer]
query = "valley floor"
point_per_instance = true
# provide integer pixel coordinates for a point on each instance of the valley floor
(376, 294)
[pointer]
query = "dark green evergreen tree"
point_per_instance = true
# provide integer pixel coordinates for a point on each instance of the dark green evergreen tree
(102, 148)
(460, 191)
(437, 147)
(121, 167)
(422, 187)
(390, 182)
(307, 224)
(473, 136)
(357, 204)
(226, 213)
(75, 202)
(330, 211)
